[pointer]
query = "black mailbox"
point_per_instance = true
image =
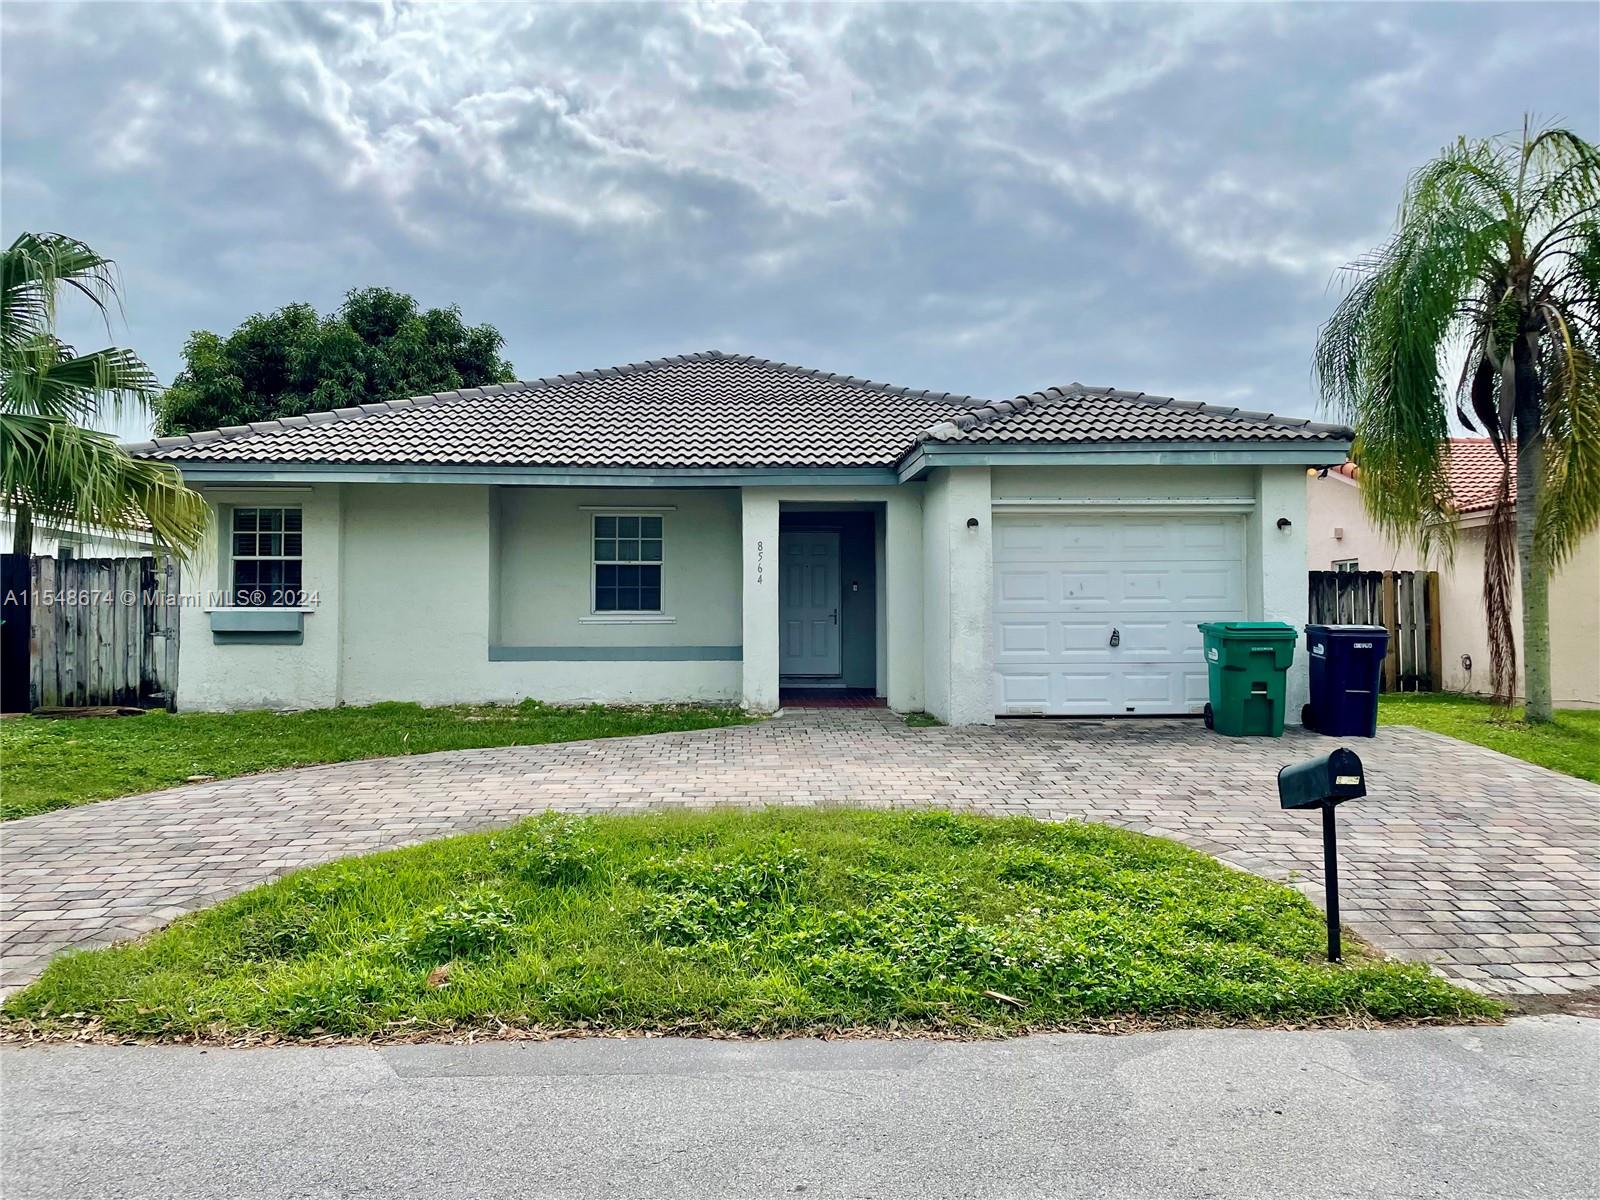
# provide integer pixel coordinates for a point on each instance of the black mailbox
(1331, 779)
(1322, 783)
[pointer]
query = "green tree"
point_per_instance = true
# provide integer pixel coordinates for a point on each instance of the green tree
(1496, 252)
(53, 468)
(378, 346)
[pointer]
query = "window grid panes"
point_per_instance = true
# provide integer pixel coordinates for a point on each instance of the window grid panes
(267, 545)
(627, 563)
(1347, 565)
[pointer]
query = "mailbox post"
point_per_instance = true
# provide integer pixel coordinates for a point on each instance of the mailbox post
(1325, 783)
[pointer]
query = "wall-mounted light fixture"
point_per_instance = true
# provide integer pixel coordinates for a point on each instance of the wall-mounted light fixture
(1284, 522)
(972, 522)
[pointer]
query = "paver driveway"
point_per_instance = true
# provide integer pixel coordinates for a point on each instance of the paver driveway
(1480, 863)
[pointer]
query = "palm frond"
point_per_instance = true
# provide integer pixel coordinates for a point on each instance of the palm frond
(1569, 498)
(35, 267)
(61, 472)
(1379, 356)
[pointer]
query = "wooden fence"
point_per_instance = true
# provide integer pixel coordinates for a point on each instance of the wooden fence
(1406, 603)
(101, 631)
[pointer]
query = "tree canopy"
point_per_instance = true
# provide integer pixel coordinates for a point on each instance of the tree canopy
(378, 346)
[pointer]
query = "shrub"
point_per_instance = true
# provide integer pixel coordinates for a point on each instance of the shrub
(474, 927)
(549, 851)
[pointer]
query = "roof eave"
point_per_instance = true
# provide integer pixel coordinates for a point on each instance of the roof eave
(925, 456)
(246, 474)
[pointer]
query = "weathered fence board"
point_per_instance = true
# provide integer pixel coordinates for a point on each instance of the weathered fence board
(1406, 603)
(103, 631)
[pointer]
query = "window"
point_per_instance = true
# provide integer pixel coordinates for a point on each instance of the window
(1347, 565)
(266, 557)
(627, 564)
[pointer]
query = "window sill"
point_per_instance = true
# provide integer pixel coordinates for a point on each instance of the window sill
(627, 619)
(224, 608)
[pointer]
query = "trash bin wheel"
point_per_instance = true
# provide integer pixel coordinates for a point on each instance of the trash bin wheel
(1211, 721)
(1305, 717)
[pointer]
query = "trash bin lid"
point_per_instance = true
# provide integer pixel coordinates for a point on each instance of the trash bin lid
(1347, 630)
(1248, 629)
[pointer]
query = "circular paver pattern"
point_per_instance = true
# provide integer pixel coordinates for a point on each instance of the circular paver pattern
(1479, 863)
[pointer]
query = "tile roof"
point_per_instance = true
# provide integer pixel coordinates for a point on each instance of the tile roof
(1083, 414)
(696, 410)
(711, 410)
(1473, 470)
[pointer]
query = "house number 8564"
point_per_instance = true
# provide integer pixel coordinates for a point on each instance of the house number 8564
(761, 562)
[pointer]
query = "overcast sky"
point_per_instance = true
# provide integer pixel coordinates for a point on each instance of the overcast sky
(977, 199)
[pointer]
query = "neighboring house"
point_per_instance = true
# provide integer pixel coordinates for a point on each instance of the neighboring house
(1342, 536)
(51, 541)
(717, 528)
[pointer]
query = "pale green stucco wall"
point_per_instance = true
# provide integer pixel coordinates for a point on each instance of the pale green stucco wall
(545, 568)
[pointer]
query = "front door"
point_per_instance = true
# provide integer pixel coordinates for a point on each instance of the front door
(808, 603)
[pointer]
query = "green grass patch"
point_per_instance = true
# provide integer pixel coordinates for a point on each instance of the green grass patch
(48, 764)
(759, 922)
(1569, 744)
(922, 720)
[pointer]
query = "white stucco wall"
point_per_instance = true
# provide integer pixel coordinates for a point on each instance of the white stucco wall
(759, 589)
(413, 579)
(212, 676)
(904, 600)
(958, 572)
(1276, 565)
(443, 594)
(1334, 504)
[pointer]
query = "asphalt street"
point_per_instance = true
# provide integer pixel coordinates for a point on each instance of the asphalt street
(1493, 1112)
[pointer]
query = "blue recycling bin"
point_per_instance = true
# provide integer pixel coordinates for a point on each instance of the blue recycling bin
(1346, 666)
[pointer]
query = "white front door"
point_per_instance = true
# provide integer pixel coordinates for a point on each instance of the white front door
(808, 603)
(1097, 615)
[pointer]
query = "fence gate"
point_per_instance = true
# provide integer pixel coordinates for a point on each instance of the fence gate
(1406, 603)
(103, 631)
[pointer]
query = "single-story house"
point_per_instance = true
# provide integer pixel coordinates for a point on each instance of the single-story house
(714, 527)
(1342, 537)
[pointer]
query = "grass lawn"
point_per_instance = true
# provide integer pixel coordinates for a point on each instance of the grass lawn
(754, 922)
(46, 764)
(1570, 744)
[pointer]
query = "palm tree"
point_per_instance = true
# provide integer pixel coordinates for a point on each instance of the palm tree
(1496, 252)
(53, 468)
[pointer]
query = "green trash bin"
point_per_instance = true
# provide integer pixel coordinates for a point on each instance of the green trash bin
(1246, 661)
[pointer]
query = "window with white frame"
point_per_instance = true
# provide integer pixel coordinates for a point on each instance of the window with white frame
(267, 545)
(1347, 565)
(627, 563)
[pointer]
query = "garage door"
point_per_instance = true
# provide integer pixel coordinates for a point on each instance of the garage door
(1096, 615)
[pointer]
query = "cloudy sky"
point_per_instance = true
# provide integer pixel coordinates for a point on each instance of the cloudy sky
(979, 199)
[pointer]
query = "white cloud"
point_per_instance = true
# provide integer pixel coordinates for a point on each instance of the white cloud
(980, 198)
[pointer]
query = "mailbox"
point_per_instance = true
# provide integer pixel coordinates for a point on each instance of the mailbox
(1331, 779)
(1323, 783)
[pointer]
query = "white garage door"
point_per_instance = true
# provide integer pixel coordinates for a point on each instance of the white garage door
(1096, 615)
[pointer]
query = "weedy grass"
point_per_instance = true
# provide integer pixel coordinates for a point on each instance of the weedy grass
(49, 764)
(1569, 744)
(753, 922)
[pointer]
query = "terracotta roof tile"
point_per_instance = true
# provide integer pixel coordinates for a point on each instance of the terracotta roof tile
(1473, 470)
